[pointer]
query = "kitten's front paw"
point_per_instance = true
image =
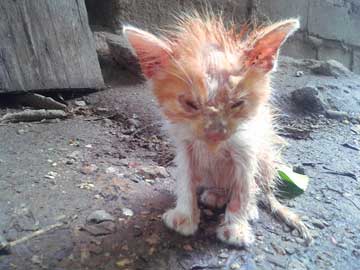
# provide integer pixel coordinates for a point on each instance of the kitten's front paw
(213, 199)
(239, 234)
(181, 222)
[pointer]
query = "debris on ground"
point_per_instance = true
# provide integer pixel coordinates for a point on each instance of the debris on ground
(33, 115)
(40, 102)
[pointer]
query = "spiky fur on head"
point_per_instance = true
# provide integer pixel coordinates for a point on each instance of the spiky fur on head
(207, 74)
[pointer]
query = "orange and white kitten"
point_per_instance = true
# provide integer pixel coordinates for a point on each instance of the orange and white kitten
(213, 86)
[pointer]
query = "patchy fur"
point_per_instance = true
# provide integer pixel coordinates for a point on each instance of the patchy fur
(213, 87)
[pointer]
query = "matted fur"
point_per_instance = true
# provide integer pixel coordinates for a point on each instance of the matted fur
(212, 85)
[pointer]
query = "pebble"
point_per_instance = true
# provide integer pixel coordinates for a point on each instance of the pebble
(152, 172)
(99, 216)
(223, 255)
(299, 73)
(88, 169)
(127, 212)
(299, 169)
(4, 245)
(337, 115)
(234, 266)
(121, 264)
(80, 103)
(51, 175)
(111, 170)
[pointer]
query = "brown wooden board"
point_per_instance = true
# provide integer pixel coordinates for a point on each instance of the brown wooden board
(46, 44)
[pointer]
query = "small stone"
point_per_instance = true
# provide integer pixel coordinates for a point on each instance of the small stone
(80, 103)
(89, 169)
(134, 123)
(86, 185)
(74, 155)
(337, 115)
(299, 73)
(127, 212)
(88, 146)
(21, 131)
(99, 216)
(111, 170)
(121, 264)
(150, 181)
(97, 196)
(152, 172)
(235, 266)
(51, 175)
(36, 259)
(299, 169)
(223, 255)
(4, 245)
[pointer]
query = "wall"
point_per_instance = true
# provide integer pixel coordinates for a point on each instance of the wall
(330, 29)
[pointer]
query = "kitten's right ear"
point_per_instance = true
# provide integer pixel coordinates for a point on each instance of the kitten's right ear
(152, 52)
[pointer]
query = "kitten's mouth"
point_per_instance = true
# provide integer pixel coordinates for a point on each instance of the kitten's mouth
(213, 141)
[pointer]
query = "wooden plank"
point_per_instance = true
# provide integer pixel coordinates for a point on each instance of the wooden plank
(46, 44)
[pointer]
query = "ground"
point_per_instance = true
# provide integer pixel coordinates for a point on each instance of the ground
(111, 155)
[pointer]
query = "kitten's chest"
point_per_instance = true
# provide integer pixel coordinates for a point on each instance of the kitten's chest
(209, 166)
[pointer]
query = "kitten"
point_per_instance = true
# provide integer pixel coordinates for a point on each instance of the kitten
(213, 86)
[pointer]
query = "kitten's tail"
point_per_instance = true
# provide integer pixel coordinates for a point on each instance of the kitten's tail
(288, 217)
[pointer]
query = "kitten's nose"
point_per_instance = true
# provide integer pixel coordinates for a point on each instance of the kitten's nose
(216, 131)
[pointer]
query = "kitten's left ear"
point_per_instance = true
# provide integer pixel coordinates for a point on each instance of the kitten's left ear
(152, 52)
(264, 51)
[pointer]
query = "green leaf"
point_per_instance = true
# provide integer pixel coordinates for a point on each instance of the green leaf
(293, 184)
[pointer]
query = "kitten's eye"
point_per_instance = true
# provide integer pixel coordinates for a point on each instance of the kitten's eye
(191, 105)
(237, 104)
(188, 104)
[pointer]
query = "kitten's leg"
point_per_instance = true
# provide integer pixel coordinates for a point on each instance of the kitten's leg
(265, 182)
(235, 229)
(185, 217)
(213, 198)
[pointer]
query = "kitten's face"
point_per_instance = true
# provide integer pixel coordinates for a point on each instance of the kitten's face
(207, 76)
(213, 102)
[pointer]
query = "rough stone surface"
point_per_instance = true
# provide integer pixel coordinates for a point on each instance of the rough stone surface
(99, 216)
(308, 99)
(330, 68)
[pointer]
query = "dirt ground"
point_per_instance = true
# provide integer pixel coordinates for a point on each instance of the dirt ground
(111, 155)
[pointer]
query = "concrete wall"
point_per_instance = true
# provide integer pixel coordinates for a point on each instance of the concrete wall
(330, 29)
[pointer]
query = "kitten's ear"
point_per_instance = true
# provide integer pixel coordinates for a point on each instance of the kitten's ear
(264, 51)
(152, 52)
